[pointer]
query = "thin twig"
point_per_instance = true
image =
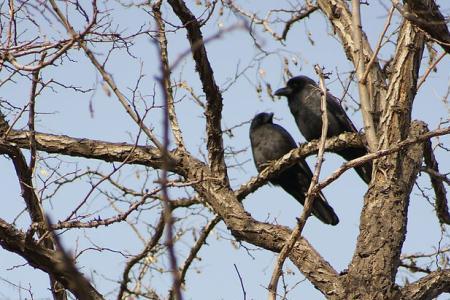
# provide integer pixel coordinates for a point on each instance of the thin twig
(164, 82)
(310, 196)
(199, 243)
(242, 283)
(159, 229)
(105, 75)
(378, 47)
(429, 69)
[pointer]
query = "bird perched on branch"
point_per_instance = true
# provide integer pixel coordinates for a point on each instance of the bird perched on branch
(269, 143)
(304, 97)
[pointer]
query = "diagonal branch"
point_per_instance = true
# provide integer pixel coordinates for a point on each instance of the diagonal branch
(310, 196)
(198, 245)
(105, 75)
(213, 96)
(47, 260)
(159, 229)
(428, 287)
(438, 185)
(426, 15)
(339, 142)
(338, 13)
(364, 97)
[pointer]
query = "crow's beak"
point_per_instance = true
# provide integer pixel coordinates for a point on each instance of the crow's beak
(271, 117)
(286, 91)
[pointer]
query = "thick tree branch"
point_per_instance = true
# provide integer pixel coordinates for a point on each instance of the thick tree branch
(213, 96)
(270, 237)
(428, 287)
(339, 14)
(87, 148)
(34, 207)
(47, 260)
(384, 215)
(425, 14)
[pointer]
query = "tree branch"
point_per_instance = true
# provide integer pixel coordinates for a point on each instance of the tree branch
(384, 214)
(213, 96)
(47, 260)
(425, 14)
(339, 14)
(87, 148)
(105, 75)
(310, 196)
(166, 85)
(438, 185)
(159, 229)
(428, 287)
(360, 62)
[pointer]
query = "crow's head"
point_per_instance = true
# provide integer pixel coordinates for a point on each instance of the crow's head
(261, 119)
(294, 86)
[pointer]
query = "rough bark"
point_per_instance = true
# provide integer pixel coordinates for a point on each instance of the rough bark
(338, 13)
(47, 260)
(383, 220)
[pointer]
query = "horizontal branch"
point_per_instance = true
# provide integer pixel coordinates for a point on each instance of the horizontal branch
(88, 148)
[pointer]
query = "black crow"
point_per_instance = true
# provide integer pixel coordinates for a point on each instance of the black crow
(304, 97)
(270, 142)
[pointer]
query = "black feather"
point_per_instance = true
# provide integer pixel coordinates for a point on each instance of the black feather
(269, 143)
(304, 97)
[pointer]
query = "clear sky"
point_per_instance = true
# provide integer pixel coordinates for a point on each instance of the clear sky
(95, 115)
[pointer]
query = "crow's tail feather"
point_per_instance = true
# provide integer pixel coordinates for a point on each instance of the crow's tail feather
(324, 212)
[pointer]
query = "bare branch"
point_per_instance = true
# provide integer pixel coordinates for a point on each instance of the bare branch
(166, 85)
(429, 69)
(310, 196)
(213, 96)
(169, 113)
(94, 149)
(198, 245)
(364, 96)
(425, 14)
(378, 46)
(388, 196)
(47, 260)
(105, 75)
(338, 13)
(144, 253)
(438, 186)
(428, 287)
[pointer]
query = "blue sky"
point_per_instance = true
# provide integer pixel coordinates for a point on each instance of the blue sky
(96, 115)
